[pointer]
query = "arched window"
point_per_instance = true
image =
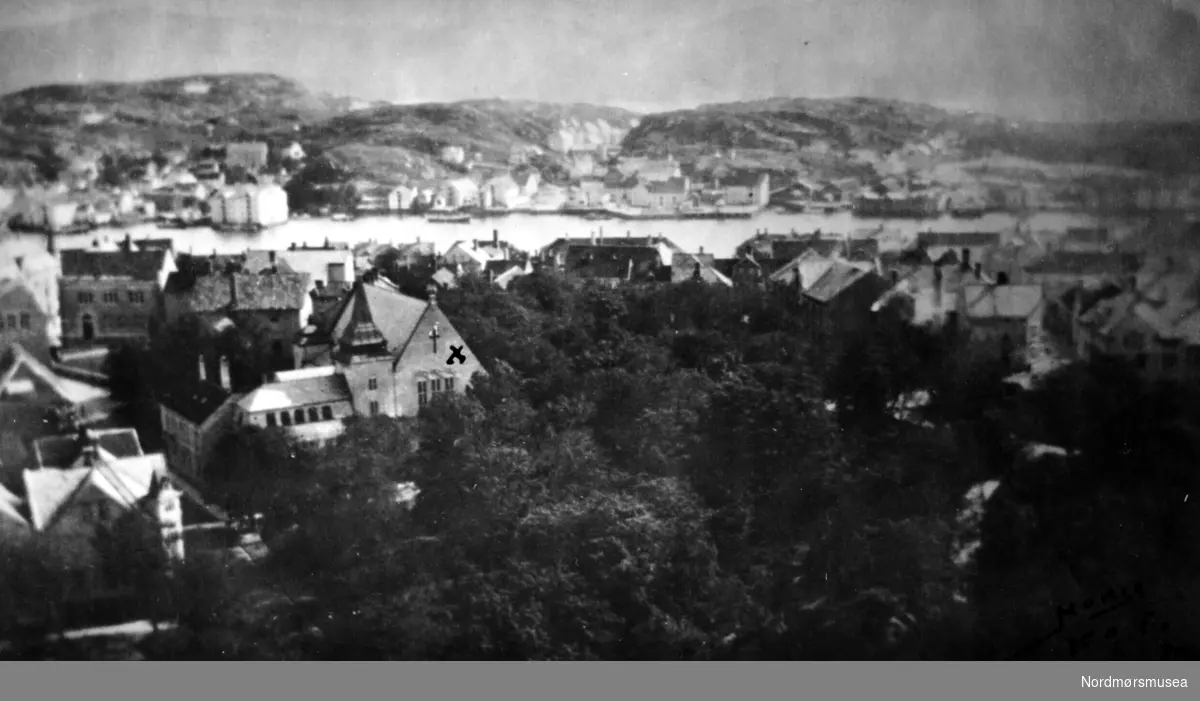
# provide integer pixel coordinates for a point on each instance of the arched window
(299, 416)
(285, 418)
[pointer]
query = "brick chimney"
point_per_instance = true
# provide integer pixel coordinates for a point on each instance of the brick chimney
(495, 237)
(226, 383)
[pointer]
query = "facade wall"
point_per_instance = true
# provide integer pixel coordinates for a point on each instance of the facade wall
(119, 309)
(23, 321)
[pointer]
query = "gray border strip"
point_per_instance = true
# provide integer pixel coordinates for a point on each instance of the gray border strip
(717, 681)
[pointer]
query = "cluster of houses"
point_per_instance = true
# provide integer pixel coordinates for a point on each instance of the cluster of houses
(339, 337)
(229, 186)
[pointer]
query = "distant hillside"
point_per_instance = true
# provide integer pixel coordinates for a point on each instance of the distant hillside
(88, 119)
(375, 140)
(397, 138)
(789, 127)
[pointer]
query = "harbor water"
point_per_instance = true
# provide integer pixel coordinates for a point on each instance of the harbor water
(531, 232)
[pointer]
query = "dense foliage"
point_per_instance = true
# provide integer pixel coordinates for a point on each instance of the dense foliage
(686, 473)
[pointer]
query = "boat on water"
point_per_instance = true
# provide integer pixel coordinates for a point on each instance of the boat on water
(448, 218)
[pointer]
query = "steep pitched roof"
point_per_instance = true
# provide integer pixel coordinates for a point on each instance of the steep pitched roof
(1002, 301)
(684, 266)
(139, 265)
(809, 266)
(393, 313)
(19, 364)
(125, 480)
(836, 280)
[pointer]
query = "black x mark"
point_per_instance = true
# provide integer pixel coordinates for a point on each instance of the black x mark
(456, 352)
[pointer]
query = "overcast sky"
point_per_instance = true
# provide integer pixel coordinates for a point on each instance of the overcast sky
(1048, 59)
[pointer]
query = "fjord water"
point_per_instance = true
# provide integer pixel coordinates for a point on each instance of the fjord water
(530, 232)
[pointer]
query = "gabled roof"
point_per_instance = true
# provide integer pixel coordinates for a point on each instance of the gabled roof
(684, 265)
(194, 401)
(16, 289)
(480, 256)
(326, 388)
(840, 277)
(809, 266)
(644, 241)
(16, 363)
(138, 265)
(1002, 301)
(126, 481)
(394, 314)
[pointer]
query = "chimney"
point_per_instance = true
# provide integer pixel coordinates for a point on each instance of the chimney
(225, 381)
(702, 250)
(128, 242)
(50, 242)
(495, 237)
(202, 372)
(474, 245)
(20, 261)
(978, 271)
(966, 258)
(271, 257)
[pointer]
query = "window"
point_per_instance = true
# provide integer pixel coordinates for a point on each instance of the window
(12, 321)
(137, 297)
(372, 383)
(271, 420)
(437, 386)
(26, 321)
(299, 415)
(374, 408)
(274, 317)
(327, 413)
(1, 322)
(313, 416)
(110, 297)
(450, 384)
(422, 396)
(84, 297)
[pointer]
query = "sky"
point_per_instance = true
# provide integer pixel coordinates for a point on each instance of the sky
(1070, 60)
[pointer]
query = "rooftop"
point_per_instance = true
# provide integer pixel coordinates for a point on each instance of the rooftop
(242, 291)
(1002, 301)
(138, 265)
(291, 393)
(194, 401)
(837, 279)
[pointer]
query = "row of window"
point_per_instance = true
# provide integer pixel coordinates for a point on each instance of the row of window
(439, 386)
(9, 321)
(300, 416)
(112, 297)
